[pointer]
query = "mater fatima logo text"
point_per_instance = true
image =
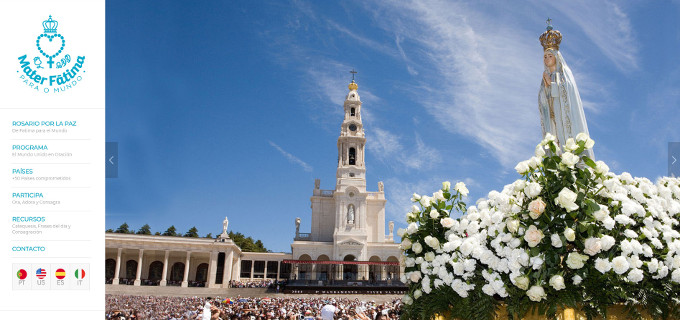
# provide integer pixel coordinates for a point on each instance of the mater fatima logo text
(59, 72)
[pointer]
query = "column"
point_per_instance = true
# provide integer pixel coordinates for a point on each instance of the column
(252, 269)
(265, 270)
(227, 269)
(237, 276)
(383, 273)
(185, 280)
(212, 270)
(164, 277)
(116, 275)
(313, 275)
(138, 279)
(278, 271)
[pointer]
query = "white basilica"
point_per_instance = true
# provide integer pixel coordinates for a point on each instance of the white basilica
(347, 243)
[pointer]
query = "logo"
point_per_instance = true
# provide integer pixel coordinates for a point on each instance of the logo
(80, 273)
(40, 273)
(22, 274)
(59, 71)
(60, 273)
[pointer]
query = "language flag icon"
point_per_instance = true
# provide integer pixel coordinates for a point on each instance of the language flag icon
(80, 273)
(60, 273)
(40, 273)
(22, 274)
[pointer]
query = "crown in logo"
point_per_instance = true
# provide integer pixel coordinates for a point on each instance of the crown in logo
(50, 25)
(550, 39)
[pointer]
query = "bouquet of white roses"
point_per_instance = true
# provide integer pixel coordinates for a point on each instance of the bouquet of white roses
(568, 234)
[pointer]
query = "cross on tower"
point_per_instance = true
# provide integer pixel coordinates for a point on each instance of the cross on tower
(353, 73)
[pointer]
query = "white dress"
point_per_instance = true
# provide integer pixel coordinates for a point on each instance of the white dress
(560, 105)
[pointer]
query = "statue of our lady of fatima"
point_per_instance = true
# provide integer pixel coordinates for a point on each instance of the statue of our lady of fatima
(559, 102)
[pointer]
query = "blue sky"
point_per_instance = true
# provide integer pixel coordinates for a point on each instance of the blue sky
(233, 108)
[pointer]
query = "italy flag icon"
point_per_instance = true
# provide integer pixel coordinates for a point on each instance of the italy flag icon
(80, 273)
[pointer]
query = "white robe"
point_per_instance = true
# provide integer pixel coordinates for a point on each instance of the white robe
(560, 106)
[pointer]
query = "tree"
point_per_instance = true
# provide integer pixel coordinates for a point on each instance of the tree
(247, 244)
(145, 229)
(124, 228)
(157, 234)
(192, 233)
(209, 235)
(172, 231)
(109, 230)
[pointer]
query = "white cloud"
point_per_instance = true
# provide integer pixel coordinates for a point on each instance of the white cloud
(293, 159)
(388, 148)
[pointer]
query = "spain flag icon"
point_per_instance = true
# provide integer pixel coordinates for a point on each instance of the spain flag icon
(22, 274)
(60, 273)
(80, 273)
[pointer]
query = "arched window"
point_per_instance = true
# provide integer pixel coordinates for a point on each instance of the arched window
(352, 156)
(352, 112)
(156, 270)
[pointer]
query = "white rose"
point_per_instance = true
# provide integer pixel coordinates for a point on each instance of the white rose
(432, 242)
(522, 282)
(566, 199)
(415, 197)
(417, 248)
(536, 208)
(460, 187)
(534, 162)
(405, 244)
(412, 228)
(576, 260)
(576, 279)
(601, 214)
(429, 256)
(569, 159)
(417, 294)
(593, 246)
(608, 223)
(557, 282)
(601, 167)
(556, 241)
(533, 189)
(603, 265)
(536, 293)
(570, 145)
(590, 143)
(548, 137)
(434, 214)
(415, 276)
(675, 276)
(569, 234)
(620, 264)
(512, 225)
(438, 196)
(581, 137)
(447, 222)
(415, 209)
(425, 201)
(533, 236)
(406, 299)
(446, 185)
(522, 167)
(539, 152)
(635, 275)
(401, 232)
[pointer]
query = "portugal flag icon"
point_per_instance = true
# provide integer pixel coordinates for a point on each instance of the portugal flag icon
(80, 273)
(60, 273)
(22, 274)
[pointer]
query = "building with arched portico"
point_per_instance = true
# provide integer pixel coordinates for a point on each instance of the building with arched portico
(347, 243)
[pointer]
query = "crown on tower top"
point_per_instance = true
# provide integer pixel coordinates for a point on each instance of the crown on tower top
(353, 86)
(550, 39)
(50, 25)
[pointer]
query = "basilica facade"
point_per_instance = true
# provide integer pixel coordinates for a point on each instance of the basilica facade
(348, 242)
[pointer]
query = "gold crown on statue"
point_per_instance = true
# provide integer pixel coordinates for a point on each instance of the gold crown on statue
(550, 39)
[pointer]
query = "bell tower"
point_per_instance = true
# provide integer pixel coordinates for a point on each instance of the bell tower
(351, 144)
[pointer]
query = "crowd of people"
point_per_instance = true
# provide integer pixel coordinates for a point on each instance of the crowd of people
(250, 284)
(122, 307)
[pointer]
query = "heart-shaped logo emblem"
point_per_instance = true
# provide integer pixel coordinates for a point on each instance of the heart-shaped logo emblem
(50, 46)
